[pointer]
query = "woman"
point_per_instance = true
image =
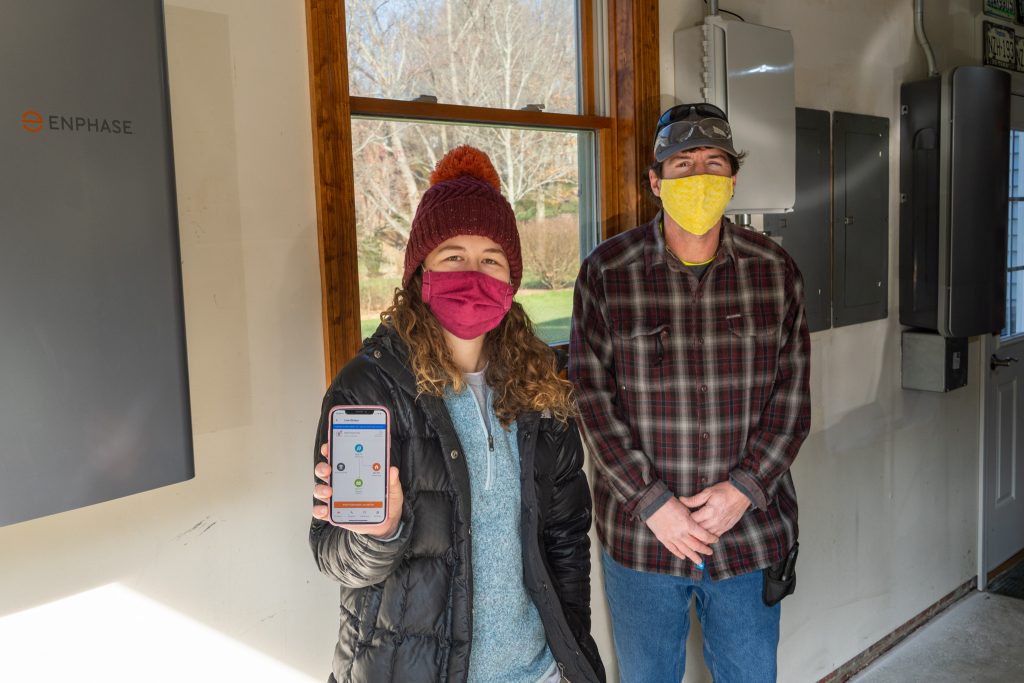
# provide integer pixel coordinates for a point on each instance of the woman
(482, 570)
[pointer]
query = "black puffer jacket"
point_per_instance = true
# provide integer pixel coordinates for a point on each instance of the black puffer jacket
(406, 605)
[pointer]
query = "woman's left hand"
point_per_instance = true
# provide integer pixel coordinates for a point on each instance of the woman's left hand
(396, 499)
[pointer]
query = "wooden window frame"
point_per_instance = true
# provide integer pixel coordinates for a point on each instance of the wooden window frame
(623, 141)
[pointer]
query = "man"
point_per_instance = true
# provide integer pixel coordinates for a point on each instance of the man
(690, 356)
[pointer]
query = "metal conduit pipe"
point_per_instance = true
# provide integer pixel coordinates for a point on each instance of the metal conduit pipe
(712, 8)
(921, 38)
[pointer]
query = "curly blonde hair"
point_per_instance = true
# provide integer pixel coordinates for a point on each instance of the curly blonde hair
(521, 369)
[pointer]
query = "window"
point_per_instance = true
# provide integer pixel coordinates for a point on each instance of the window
(540, 177)
(503, 54)
(1015, 241)
(550, 89)
(506, 56)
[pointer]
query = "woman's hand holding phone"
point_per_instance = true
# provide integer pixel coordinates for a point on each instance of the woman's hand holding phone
(385, 529)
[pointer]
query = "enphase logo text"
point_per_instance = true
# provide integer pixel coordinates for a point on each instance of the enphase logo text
(32, 121)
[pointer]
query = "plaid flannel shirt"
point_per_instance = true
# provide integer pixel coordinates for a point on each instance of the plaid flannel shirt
(682, 384)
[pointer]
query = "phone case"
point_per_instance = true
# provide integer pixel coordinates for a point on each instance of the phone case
(387, 461)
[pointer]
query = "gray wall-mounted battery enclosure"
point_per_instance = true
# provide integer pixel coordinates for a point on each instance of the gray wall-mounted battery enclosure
(93, 382)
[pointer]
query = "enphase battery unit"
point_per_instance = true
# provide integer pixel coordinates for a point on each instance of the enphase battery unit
(93, 379)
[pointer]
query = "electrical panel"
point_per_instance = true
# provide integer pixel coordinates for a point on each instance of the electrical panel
(860, 218)
(806, 233)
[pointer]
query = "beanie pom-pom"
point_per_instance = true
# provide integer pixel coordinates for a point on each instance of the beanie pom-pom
(466, 160)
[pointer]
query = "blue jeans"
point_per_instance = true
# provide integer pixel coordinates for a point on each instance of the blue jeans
(651, 621)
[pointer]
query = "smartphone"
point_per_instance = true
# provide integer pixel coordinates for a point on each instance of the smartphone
(360, 446)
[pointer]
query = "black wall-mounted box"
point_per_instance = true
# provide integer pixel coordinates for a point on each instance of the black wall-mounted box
(954, 165)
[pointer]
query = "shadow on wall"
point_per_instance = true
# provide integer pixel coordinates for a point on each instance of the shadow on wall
(885, 492)
(206, 160)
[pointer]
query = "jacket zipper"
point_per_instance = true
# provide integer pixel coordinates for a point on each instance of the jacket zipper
(490, 440)
(490, 445)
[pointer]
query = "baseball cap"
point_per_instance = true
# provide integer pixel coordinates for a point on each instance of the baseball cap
(688, 126)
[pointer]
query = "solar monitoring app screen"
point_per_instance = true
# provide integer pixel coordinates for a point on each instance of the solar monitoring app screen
(359, 466)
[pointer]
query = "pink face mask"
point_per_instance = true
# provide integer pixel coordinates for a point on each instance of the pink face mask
(467, 303)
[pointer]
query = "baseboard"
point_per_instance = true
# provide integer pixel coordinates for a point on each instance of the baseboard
(1006, 566)
(861, 661)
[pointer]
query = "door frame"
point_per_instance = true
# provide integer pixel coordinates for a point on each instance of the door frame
(987, 443)
(992, 344)
(985, 450)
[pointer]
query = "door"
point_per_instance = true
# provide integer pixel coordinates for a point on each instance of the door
(1003, 460)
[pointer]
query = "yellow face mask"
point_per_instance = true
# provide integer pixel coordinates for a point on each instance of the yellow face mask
(696, 202)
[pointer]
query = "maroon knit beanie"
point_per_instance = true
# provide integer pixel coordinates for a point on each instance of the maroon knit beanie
(464, 198)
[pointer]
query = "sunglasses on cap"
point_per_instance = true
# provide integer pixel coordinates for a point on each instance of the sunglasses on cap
(687, 126)
(684, 111)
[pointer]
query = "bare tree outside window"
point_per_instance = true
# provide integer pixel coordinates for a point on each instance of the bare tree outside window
(506, 54)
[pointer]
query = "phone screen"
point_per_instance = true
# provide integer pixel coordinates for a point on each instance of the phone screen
(359, 465)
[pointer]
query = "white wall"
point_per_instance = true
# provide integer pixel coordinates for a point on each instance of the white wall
(887, 480)
(211, 579)
(214, 575)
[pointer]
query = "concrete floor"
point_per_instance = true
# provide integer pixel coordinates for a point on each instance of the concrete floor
(981, 638)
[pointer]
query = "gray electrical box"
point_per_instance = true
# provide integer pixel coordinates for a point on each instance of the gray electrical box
(747, 70)
(860, 218)
(94, 401)
(806, 233)
(932, 362)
